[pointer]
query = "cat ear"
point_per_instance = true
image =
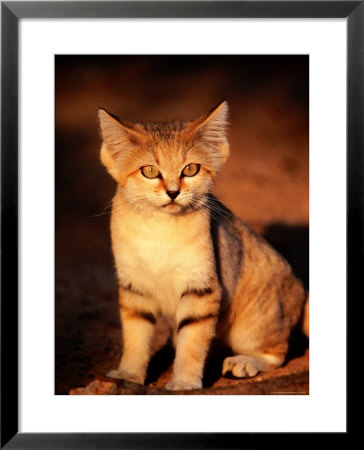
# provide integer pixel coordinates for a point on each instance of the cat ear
(118, 137)
(211, 130)
(117, 134)
(213, 125)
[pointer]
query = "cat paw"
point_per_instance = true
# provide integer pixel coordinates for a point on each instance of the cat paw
(120, 374)
(178, 385)
(241, 366)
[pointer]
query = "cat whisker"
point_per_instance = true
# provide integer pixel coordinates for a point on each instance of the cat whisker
(105, 211)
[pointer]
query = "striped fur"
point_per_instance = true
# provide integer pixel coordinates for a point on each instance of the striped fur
(194, 320)
(198, 292)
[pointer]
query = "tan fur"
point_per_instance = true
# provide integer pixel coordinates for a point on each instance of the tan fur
(190, 258)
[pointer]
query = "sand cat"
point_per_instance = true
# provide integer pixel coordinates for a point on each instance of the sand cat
(180, 253)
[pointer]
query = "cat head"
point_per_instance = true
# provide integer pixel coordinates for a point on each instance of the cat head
(165, 166)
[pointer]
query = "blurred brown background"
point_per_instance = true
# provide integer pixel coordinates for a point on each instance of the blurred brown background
(265, 181)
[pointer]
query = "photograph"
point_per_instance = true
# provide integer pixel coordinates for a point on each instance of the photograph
(178, 179)
(181, 224)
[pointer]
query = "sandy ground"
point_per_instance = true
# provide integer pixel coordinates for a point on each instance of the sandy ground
(265, 182)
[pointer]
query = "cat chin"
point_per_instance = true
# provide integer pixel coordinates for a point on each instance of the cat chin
(172, 208)
(160, 210)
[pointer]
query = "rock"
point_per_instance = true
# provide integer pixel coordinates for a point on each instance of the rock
(96, 387)
(279, 382)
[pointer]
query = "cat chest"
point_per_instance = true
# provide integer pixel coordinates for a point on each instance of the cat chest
(161, 261)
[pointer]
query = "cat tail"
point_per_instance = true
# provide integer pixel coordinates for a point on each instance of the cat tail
(305, 316)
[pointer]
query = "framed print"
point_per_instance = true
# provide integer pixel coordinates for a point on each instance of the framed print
(160, 78)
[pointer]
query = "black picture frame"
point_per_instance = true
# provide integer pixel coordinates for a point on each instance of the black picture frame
(11, 12)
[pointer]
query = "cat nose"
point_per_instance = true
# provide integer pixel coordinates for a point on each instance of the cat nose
(172, 194)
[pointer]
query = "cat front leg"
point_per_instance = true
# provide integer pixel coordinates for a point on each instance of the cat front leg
(196, 326)
(138, 324)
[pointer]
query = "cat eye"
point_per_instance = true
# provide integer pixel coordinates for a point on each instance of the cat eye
(191, 170)
(150, 171)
